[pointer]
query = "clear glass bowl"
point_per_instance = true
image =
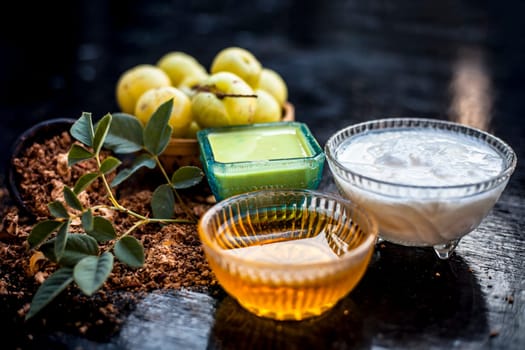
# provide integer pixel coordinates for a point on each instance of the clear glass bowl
(416, 215)
(287, 254)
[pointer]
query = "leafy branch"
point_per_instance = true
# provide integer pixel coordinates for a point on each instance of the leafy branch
(87, 258)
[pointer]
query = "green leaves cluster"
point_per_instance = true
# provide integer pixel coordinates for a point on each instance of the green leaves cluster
(87, 258)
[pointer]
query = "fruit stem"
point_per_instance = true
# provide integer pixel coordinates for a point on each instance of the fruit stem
(214, 90)
(223, 95)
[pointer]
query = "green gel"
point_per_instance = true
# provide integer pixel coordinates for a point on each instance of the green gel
(259, 144)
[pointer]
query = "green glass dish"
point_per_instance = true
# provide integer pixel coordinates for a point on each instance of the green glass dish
(244, 158)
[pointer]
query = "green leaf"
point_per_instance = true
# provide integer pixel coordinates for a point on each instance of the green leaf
(109, 164)
(84, 181)
(41, 231)
(101, 131)
(102, 230)
(51, 287)
(48, 249)
(164, 140)
(143, 160)
(72, 199)
(91, 272)
(82, 129)
(58, 210)
(77, 154)
(157, 132)
(61, 239)
(87, 220)
(186, 176)
(78, 246)
(163, 202)
(129, 251)
(125, 134)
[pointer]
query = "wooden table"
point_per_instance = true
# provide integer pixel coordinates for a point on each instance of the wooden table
(344, 62)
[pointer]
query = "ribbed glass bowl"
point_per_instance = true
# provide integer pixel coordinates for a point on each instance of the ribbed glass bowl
(414, 215)
(287, 254)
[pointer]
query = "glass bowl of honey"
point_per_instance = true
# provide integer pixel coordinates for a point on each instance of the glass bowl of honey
(428, 182)
(287, 254)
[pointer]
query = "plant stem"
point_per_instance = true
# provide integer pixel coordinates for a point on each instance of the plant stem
(138, 216)
(179, 199)
(132, 228)
(112, 198)
(163, 171)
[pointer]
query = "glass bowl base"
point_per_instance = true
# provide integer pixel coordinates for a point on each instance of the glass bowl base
(443, 251)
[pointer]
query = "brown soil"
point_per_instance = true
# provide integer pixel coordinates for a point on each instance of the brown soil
(174, 256)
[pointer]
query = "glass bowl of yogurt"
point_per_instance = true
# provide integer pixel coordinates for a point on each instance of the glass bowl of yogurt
(428, 182)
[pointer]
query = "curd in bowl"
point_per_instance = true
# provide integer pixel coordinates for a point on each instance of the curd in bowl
(428, 182)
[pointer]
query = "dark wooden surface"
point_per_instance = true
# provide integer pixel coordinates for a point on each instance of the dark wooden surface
(344, 62)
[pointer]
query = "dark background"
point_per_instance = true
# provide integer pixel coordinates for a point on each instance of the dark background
(344, 61)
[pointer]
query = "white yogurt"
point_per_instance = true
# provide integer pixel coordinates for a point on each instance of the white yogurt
(421, 157)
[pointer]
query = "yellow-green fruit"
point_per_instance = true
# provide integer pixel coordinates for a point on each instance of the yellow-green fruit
(183, 69)
(224, 99)
(268, 109)
(273, 83)
(192, 131)
(240, 62)
(189, 83)
(180, 118)
(137, 80)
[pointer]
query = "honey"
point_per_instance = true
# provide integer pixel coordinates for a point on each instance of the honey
(291, 263)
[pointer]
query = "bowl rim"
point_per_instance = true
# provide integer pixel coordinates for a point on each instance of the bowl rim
(208, 156)
(487, 138)
(362, 249)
